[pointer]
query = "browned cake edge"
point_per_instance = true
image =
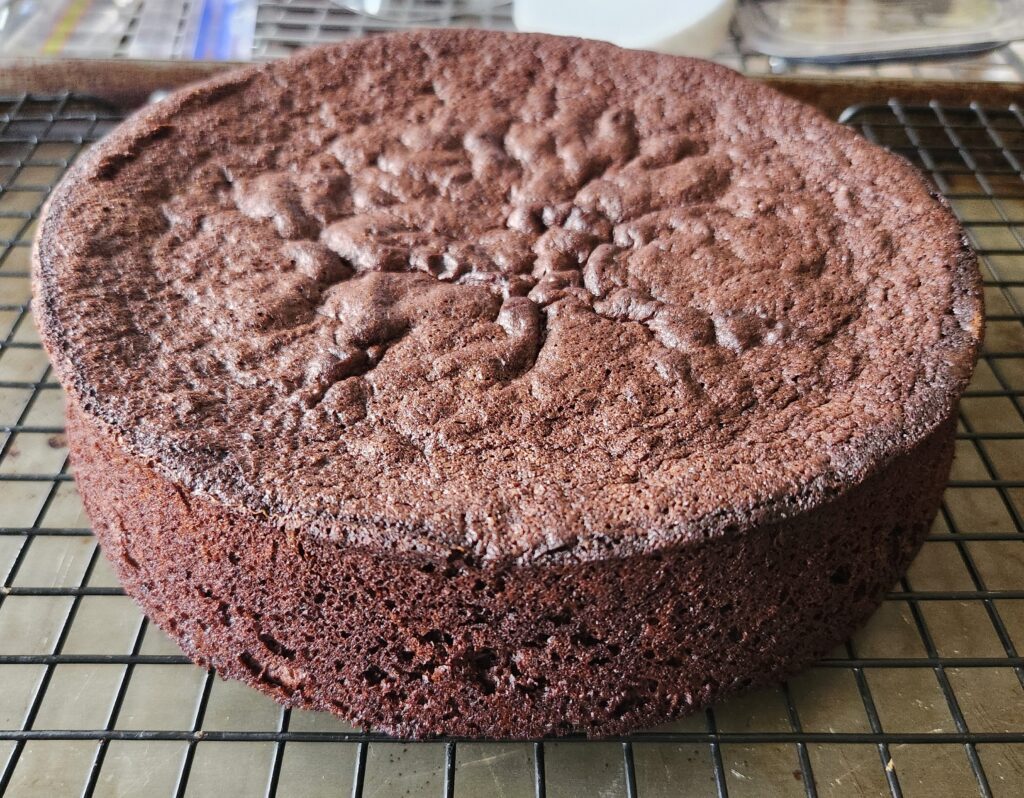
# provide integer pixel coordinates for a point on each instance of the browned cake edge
(416, 646)
(876, 449)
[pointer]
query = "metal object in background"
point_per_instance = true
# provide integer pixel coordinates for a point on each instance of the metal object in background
(410, 11)
(283, 26)
(838, 31)
(926, 700)
(209, 30)
(212, 30)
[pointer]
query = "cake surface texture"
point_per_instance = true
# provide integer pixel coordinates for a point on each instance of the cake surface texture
(503, 385)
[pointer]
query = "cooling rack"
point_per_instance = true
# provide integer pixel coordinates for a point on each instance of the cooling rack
(926, 700)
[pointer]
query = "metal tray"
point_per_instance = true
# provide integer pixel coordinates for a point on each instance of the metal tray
(926, 700)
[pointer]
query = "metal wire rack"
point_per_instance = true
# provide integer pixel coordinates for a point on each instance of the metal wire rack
(927, 700)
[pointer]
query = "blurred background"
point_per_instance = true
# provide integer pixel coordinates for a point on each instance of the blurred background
(926, 700)
(922, 39)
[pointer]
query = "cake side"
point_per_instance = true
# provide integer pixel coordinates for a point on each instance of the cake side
(710, 308)
(505, 385)
(418, 646)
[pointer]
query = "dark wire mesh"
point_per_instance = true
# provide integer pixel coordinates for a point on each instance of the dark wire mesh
(928, 700)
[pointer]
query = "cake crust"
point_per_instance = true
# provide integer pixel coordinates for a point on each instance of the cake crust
(733, 307)
(489, 383)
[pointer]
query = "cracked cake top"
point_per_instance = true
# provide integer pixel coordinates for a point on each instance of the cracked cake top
(521, 295)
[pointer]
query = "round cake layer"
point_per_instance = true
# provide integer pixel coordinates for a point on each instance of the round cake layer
(503, 385)
(516, 294)
(417, 646)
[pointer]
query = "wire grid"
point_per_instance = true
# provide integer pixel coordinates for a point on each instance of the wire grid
(283, 26)
(926, 700)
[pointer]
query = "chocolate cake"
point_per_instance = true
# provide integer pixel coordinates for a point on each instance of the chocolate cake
(503, 385)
